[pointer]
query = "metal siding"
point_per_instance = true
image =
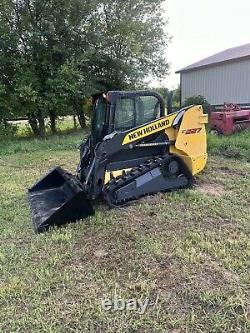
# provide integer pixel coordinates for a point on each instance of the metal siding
(223, 83)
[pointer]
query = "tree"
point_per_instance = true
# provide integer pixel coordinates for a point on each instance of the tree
(54, 54)
(47, 35)
(68, 89)
(177, 98)
(131, 43)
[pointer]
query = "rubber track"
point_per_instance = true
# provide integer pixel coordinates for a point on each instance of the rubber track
(118, 182)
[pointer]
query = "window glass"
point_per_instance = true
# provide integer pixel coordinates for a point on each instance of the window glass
(136, 111)
(99, 119)
(125, 114)
(148, 109)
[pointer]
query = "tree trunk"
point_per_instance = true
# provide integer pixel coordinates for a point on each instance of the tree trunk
(41, 123)
(81, 119)
(74, 119)
(80, 114)
(52, 116)
(33, 124)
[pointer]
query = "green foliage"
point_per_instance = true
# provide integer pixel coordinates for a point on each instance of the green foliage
(198, 100)
(54, 54)
(166, 93)
(177, 98)
(67, 86)
(7, 131)
(132, 42)
(162, 91)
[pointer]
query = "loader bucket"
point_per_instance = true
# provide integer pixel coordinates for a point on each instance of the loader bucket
(58, 198)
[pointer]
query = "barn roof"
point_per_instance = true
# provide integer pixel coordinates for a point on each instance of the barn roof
(232, 54)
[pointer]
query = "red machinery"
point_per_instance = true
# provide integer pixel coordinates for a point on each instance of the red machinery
(229, 120)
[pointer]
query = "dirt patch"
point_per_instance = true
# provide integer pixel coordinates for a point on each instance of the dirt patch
(211, 189)
(99, 254)
(232, 172)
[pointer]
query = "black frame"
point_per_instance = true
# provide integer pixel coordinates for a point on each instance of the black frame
(113, 96)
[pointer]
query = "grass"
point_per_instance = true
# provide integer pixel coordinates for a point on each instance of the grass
(187, 251)
(233, 146)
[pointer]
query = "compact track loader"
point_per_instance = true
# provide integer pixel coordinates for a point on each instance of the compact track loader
(135, 149)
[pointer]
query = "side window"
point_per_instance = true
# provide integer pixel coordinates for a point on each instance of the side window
(136, 111)
(148, 109)
(98, 122)
(125, 115)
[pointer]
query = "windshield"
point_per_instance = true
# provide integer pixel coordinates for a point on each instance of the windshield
(98, 122)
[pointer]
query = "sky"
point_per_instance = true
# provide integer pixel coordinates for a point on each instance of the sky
(201, 28)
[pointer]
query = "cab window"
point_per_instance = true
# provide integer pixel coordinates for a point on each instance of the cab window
(135, 111)
(99, 119)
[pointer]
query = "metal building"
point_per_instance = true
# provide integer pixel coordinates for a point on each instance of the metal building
(223, 77)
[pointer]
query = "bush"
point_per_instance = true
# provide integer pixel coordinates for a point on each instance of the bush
(7, 131)
(198, 100)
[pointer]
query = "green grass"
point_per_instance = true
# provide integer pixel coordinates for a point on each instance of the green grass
(232, 146)
(187, 251)
(58, 142)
